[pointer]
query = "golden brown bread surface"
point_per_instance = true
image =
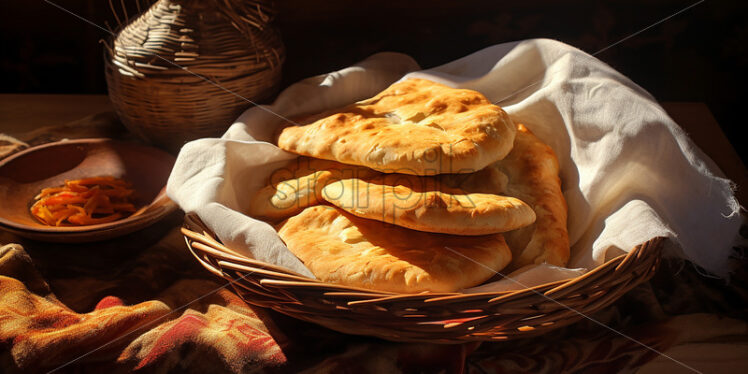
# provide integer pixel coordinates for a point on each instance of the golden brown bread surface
(344, 249)
(532, 169)
(298, 185)
(428, 204)
(413, 127)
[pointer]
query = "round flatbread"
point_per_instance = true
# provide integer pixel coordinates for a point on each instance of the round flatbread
(298, 185)
(344, 249)
(428, 204)
(533, 177)
(413, 127)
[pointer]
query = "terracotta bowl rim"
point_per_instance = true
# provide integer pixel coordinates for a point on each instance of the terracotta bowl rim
(168, 205)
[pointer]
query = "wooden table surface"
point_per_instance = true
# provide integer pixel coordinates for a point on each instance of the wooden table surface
(24, 112)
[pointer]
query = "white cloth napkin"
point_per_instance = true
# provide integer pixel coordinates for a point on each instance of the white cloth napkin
(628, 172)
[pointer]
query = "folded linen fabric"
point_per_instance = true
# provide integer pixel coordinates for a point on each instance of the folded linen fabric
(629, 173)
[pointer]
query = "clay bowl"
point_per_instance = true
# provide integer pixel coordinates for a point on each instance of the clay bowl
(24, 174)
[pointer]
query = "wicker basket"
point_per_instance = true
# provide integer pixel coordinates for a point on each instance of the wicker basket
(425, 317)
(185, 69)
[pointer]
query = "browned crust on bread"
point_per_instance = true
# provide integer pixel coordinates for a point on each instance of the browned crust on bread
(428, 204)
(533, 171)
(413, 127)
(344, 249)
(298, 185)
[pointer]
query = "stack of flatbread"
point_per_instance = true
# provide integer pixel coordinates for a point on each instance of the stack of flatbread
(422, 187)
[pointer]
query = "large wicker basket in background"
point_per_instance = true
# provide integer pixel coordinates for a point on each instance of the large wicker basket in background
(424, 317)
(185, 69)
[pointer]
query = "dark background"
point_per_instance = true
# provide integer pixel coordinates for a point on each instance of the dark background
(698, 55)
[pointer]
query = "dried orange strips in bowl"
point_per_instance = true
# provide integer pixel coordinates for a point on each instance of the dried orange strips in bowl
(87, 201)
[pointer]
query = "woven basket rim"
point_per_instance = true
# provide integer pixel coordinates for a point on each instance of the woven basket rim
(192, 221)
(428, 317)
